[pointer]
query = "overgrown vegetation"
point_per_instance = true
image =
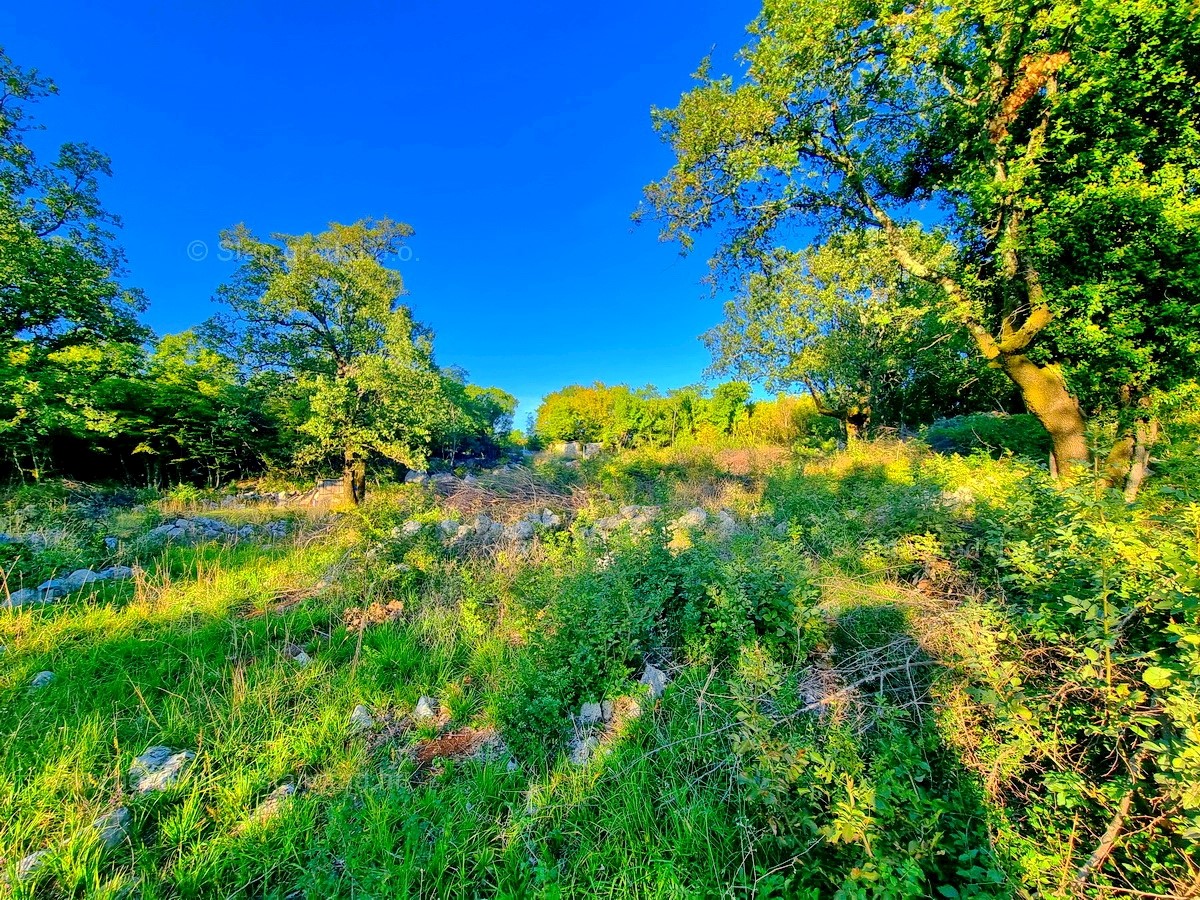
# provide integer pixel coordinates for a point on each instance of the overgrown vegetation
(896, 674)
(884, 636)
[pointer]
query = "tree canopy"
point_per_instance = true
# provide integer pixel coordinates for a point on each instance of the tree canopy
(1051, 149)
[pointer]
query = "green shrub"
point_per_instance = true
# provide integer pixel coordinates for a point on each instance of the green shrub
(994, 433)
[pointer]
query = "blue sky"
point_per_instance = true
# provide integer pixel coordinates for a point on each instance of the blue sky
(515, 139)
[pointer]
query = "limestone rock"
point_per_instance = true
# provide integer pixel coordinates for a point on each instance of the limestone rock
(655, 679)
(112, 828)
(361, 720)
(693, 518)
(29, 866)
(426, 708)
(80, 577)
(159, 768)
(590, 714)
(272, 804)
(41, 680)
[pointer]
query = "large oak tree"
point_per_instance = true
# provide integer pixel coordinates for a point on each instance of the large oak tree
(1055, 146)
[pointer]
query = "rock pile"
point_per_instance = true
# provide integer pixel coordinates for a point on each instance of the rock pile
(200, 528)
(484, 528)
(49, 591)
(639, 519)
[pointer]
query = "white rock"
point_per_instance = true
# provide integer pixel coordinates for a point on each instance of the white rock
(427, 708)
(726, 524)
(80, 577)
(116, 573)
(448, 527)
(272, 804)
(606, 711)
(29, 866)
(41, 680)
(26, 596)
(655, 679)
(411, 528)
(297, 655)
(113, 827)
(590, 713)
(361, 720)
(159, 768)
(523, 531)
(582, 750)
(693, 518)
(56, 587)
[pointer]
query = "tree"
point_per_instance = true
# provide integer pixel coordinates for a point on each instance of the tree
(59, 266)
(325, 309)
(979, 123)
(844, 322)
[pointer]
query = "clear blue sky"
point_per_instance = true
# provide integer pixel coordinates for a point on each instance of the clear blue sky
(514, 137)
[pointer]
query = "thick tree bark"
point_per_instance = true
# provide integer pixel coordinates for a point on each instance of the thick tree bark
(354, 481)
(1145, 437)
(1048, 400)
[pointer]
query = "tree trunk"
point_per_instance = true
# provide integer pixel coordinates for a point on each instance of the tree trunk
(856, 420)
(1048, 400)
(1145, 437)
(354, 480)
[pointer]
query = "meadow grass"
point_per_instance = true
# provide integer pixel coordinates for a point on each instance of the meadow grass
(823, 732)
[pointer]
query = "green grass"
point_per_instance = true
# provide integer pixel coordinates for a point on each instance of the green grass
(843, 676)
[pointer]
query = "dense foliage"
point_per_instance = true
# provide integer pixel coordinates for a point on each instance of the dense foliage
(1035, 163)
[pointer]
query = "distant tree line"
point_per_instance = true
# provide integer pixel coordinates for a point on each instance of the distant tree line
(621, 417)
(315, 368)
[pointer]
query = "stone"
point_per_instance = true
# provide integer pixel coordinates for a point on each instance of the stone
(80, 577)
(183, 523)
(523, 531)
(272, 804)
(159, 768)
(655, 679)
(465, 531)
(448, 527)
(245, 531)
(606, 711)
(726, 524)
(693, 518)
(483, 525)
(177, 532)
(297, 655)
(110, 543)
(582, 750)
(29, 866)
(782, 529)
(361, 720)
(590, 713)
(590, 450)
(55, 587)
(112, 828)
(161, 531)
(426, 708)
(116, 573)
(416, 477)
(26, 596)
(41, 680)
(411, 528)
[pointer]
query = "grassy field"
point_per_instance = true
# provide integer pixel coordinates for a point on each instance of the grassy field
(865, 653)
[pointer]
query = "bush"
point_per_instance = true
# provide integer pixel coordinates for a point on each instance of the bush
(994, 433)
